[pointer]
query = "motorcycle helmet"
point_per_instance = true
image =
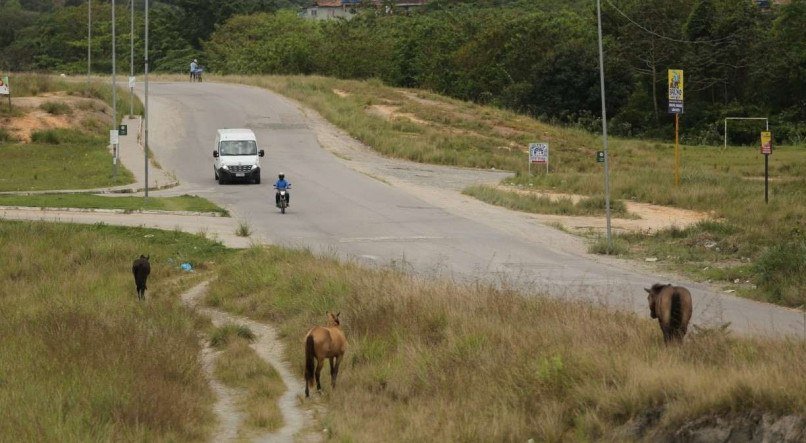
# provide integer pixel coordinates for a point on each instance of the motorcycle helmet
(281, 176)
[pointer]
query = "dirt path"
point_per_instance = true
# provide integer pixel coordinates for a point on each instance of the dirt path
(270, 349)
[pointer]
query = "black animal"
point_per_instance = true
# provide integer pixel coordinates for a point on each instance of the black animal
(141, 268)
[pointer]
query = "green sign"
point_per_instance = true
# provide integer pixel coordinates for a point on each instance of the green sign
(123, 130)
(599, 156)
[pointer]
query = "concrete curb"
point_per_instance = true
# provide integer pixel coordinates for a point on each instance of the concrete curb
(113, 211)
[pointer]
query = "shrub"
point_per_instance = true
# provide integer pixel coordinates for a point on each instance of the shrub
(782, 272)
(619, 246)
(56, 108)
(62, 136)
(5, 136)
(221, 336)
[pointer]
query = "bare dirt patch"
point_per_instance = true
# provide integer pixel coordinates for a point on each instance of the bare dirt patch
(390, 112)
(653, 217)
(82, 111)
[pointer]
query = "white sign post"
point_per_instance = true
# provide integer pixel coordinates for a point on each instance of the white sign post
(539, 153)
(5, 90)
(132, 81)
(114, 140)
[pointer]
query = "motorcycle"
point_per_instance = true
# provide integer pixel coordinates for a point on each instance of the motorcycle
(282, 201)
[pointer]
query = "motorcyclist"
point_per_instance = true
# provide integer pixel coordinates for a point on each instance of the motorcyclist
(282, 184)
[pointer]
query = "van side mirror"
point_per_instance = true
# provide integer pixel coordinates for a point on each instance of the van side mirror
(262, 153)
(215, 153)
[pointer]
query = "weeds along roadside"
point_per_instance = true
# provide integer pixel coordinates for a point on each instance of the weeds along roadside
(82, 359)
(440, 362)
(425, 127)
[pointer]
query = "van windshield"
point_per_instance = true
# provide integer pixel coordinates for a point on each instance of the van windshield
(237, 147)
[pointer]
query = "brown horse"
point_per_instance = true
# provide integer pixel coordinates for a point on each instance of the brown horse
(671, 305)
(322, 343)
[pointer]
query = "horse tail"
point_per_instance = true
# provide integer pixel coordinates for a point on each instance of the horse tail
(676, 316)
(309, 359)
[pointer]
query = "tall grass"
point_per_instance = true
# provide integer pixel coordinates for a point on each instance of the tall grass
(440, 362)
(82, 359)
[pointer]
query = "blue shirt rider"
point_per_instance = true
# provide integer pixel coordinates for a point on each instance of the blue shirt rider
(194, 66)
(281, 184)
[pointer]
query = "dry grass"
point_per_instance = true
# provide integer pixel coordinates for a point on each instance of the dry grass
(439, 362)
(82, 359)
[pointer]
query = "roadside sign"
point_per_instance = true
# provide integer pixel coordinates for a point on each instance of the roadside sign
(538, 152)
(113, 137)
(4, 89)
(123, 130)
(675, 91)
(766, 142)
(600, 157)
(131, 82)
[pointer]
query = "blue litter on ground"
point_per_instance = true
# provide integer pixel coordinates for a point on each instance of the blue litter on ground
(186, 267)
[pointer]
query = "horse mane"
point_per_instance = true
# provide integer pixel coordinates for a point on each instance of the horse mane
(657, 287)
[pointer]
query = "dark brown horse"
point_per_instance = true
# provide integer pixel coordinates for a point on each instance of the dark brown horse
(671, 305)
(321, 343)
(141, 268)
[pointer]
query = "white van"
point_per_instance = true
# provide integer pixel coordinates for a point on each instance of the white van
(236, 156)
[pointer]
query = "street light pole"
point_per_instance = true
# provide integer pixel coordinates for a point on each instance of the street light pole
(114, 92)
(604, 126)
(131, 60)
(89, 42)
(145, 113)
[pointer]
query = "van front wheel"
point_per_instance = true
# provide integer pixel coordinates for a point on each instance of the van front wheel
(257, 178)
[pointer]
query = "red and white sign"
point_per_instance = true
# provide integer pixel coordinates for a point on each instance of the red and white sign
(766, 143)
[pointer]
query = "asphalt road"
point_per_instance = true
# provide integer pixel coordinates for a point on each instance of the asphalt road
(410, 221)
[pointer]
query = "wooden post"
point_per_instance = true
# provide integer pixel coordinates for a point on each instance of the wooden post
(676, 149)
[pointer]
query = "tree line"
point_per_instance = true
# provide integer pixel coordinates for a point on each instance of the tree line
(538, 57)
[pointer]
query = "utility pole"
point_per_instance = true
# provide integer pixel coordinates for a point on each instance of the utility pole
(131, 61)
(114, 92)
(604, 126)
(145, 116)
(89, 42)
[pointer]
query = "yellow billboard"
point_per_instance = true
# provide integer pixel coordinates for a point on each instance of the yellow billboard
(675, 91)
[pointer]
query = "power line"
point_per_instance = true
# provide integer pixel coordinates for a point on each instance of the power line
(677, 40)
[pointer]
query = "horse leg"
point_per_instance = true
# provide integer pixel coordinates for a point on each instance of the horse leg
(335, 371)
(319, 363)
(332, 372)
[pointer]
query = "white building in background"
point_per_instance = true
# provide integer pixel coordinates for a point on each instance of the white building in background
(328, 9)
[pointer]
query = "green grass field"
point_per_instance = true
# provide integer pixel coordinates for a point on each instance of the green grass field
(126, 203)
(82, 359)
(83, 164)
